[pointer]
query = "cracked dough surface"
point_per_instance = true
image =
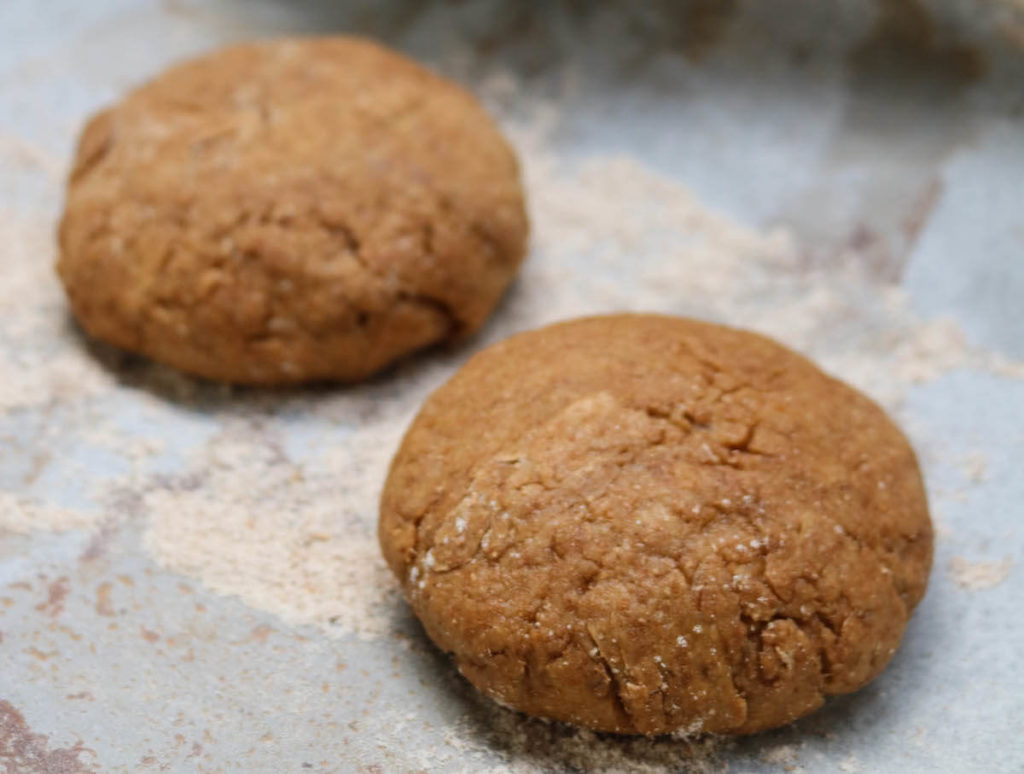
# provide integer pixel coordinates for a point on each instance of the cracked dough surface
(287, 211)
(647, 524)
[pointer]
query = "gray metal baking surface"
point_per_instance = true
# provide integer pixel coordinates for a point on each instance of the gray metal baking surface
(151, 622)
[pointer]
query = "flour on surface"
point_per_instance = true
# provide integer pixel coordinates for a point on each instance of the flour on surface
(294, 540)
(975, 467)
(780, 755)
(849, 765)
(25, 515)
(533, 746)
(41, 360)
(981, 575)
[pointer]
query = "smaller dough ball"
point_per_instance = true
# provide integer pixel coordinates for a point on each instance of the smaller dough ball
(290, 211)
(645, 524)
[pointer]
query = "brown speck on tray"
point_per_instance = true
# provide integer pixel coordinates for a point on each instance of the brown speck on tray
(56, 592)
(103, 605)
(24, 752)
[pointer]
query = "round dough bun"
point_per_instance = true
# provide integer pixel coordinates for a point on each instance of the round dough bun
(290, 211)
(646, 524)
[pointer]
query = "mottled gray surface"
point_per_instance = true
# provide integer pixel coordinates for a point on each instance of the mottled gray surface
(904, 149)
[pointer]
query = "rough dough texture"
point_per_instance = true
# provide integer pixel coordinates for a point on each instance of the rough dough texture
(288, 211)
(646, 524)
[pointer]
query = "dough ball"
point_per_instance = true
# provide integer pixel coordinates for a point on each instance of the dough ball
(646, 524)
(290, 211)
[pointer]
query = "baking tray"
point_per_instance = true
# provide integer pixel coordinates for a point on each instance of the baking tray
(189, 579)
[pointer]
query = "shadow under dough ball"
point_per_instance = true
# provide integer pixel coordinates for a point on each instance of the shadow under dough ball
(290, 211)
(646, 524)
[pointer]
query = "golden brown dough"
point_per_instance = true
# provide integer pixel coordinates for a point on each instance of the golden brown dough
(287, 211)
(646, 524)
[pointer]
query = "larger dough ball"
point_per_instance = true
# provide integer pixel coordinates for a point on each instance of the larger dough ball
(646, 524)
(288, 211)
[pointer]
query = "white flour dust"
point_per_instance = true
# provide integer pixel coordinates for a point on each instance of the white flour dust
(981, 575)
(533, 746)
(23, 515)
(41, 361)
(295, 540)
